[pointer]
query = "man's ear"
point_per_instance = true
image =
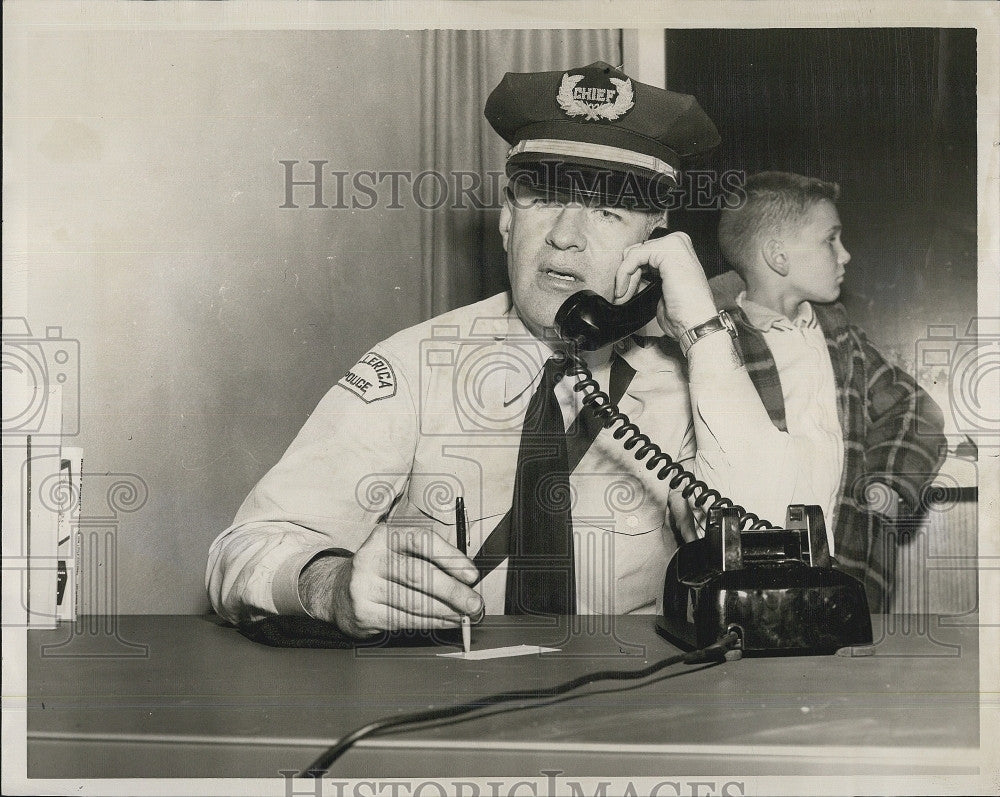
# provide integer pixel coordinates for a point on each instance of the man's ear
(774, 255)
(658, 222)
(506, 216)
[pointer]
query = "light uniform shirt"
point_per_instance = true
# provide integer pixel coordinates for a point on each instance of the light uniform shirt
(435, 412)
(802, 359)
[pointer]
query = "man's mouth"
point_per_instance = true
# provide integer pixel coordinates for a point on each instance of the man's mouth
(563, 276)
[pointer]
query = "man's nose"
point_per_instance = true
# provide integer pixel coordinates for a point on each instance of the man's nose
(567, 230)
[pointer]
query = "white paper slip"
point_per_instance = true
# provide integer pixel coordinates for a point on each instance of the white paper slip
(499, 653)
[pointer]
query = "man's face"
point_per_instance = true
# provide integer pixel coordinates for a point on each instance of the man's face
(816, 256)
(556, 248)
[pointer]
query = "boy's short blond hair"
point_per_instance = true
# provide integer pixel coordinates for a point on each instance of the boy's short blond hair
(772, 201)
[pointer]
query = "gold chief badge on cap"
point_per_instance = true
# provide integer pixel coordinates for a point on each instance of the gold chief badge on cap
(593, 102)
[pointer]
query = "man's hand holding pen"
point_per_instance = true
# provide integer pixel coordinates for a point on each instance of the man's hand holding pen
(399, 578)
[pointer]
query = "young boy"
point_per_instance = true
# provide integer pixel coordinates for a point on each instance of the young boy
(819, 377)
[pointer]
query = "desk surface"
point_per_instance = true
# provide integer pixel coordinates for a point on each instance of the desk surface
(164, 696)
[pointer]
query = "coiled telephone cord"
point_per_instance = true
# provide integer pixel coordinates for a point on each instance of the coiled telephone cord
(609, 415)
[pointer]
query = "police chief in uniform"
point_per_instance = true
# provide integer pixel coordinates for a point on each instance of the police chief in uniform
(356, 523)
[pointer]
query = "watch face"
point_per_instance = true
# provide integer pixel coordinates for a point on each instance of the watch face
(718, 323)
(714, 324)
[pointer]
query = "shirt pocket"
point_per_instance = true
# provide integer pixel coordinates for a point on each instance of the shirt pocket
(619, 503)
(431, 497)
(619, 572)
(618, 522)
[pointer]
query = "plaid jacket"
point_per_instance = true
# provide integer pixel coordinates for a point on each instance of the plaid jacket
(892, 435)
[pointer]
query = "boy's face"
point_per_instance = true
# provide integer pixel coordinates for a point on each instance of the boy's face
(816, 256)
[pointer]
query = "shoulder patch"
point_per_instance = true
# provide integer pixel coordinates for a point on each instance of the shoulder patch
(371, 378)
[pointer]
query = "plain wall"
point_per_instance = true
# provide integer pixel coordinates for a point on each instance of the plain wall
(143, 187)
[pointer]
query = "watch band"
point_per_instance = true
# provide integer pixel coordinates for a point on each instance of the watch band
(716, 323)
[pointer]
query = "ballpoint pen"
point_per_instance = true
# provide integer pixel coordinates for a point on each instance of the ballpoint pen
(461, 531)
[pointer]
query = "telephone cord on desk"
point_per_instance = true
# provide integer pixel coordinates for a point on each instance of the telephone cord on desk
(726, 648)
(608, 414)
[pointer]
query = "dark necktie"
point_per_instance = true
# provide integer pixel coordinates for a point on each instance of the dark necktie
(496, 548)
(540, 570)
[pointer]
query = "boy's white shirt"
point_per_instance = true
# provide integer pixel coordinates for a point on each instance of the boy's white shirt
(809, 390)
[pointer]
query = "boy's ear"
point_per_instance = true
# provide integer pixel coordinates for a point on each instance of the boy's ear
(775, 257)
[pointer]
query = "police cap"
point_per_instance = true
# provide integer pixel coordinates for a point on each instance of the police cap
(597, 133)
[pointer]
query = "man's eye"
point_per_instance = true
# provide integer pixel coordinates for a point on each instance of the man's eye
(608, 214)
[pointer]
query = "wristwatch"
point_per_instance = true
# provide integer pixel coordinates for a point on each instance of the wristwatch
(716, 323)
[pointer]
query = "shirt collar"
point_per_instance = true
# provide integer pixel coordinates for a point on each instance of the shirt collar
(532, 353)
(764, 318)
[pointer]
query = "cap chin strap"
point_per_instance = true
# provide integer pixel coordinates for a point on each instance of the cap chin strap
(600, 152)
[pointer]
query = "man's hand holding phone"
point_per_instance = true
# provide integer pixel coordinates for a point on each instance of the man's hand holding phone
(687, 299)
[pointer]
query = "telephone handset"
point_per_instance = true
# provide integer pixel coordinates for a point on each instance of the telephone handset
(590, 321)
(767, 584)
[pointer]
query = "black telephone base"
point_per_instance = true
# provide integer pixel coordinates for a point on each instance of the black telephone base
(763, 586)
(799, 611)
